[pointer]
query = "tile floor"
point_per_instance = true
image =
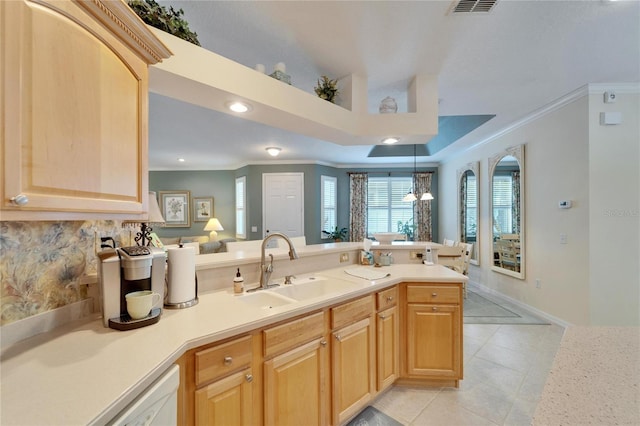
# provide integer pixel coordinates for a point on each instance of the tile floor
(505, 368)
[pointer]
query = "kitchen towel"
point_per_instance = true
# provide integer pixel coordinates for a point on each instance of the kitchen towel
(181, 275)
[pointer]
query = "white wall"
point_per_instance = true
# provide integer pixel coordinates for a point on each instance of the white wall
(614, 213)
(558, 144)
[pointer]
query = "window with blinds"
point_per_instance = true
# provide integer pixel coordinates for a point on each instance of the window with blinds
(329, 204)
(471, 198)
(385, 206)
(502, 204)
(241, 207)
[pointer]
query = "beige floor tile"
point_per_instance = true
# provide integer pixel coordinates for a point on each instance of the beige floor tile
(511, 358)
(484, 400)
(521, 413)
(405, 403)
(449, 413)
(498, 376)
(480, 331)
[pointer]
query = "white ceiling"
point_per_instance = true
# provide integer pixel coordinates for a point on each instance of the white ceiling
(509, 62)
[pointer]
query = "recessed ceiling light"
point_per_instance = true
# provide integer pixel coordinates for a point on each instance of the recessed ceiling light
(273, 151)
(390, 140)
(181, 160)
(238, 107)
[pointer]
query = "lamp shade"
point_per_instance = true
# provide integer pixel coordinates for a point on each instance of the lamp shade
(155, 216)
(426, 196)
(213, 225)
(410, 197)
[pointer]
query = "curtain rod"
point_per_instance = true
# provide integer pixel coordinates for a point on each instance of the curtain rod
(384, 173)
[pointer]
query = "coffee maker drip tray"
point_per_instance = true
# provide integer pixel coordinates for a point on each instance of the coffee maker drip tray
(124, 322)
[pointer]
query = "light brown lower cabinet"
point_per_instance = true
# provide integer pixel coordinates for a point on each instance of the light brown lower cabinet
(324, 367)
(227, 401)
(295, 386)
(434, 332)
(388, 347)
(353, 369)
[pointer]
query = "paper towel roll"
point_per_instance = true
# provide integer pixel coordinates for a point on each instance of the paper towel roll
(181, 275)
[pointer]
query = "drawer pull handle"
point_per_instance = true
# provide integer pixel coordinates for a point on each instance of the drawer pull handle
(228, 360)
(389, 299)
(434, 294)
(323, 343)
(249, 378)
(338, 338)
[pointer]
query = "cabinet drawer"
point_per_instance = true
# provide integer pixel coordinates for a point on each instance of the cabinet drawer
(387, 298)
(351, 311)
(433, 294)
(220, 360)
(280, 338)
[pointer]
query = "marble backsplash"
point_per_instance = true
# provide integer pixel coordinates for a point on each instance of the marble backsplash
(42, 263)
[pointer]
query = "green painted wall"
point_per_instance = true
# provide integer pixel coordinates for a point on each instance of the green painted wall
(220, 184)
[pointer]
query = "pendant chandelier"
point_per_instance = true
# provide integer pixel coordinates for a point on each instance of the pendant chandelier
(410, 195)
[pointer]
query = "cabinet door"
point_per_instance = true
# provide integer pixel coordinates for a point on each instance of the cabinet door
(353, 362)
(227, 401)
(74, 112)
(433, 341)
(388, 347)
(295, 390)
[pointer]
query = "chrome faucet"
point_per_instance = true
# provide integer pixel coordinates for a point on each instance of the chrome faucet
(266, 270)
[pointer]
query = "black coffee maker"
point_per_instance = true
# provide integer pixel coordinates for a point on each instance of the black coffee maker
(125, 270)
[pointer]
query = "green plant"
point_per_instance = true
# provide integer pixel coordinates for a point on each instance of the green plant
(168, 21)
(327, 89)
(337, 234)
(407, 229)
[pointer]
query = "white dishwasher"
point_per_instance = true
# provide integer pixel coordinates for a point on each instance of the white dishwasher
(157, 405)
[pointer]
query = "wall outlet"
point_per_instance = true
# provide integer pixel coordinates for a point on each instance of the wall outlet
(415, 255)
(344, 257)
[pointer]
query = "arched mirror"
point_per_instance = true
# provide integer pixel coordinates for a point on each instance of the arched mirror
(507, 211)
(468, 203)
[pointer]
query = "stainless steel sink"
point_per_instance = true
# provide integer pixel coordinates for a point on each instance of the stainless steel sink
(311, 287)
(264, 299)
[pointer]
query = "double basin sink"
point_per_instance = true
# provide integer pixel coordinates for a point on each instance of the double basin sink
(301, 290)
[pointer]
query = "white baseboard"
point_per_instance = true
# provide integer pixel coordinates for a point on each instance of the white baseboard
(535, 311)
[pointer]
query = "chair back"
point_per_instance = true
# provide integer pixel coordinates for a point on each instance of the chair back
(452, 257)
(508, 254)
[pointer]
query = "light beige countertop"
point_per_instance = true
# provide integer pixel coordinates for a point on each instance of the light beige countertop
(83, 373)
(595, 379)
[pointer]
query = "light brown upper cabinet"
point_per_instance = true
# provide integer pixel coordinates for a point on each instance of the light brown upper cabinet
(75, 109)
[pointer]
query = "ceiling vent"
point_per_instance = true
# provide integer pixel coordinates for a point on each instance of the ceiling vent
(473, 6)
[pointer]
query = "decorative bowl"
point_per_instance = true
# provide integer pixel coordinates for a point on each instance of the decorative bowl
(387, 237)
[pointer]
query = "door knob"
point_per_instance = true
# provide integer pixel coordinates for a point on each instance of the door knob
(20, 200)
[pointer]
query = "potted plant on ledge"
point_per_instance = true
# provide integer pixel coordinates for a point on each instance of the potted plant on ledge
(337, 235)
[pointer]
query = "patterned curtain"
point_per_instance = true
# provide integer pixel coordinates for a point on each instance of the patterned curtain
(462, 207)
(358, 212)
(422, 209)
(515, 206)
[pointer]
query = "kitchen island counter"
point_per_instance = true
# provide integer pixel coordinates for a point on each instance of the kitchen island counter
(83, 373)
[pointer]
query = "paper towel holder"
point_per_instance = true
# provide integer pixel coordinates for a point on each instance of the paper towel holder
(172, 300)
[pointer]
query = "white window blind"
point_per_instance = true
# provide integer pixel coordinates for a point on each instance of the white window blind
(329, 204)
(385, 206)
(502, 202)
(472, 206)
(241, 207)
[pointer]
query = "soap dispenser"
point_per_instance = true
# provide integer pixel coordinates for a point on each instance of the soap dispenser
(238, 283)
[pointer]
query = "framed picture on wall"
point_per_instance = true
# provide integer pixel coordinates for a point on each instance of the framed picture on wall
(175, 206)
(202, 209)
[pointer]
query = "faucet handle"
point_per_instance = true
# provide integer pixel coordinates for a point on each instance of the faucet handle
(287, 279)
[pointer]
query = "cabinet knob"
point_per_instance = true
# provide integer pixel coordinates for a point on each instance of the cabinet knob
(249, 378)
(434, 294)
(389, 299)
(323, 343)
(338, 338)
(382, 316)
(20, 200)
(228, 360)
(434, 309)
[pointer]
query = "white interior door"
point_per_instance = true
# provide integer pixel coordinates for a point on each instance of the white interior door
(283, 203)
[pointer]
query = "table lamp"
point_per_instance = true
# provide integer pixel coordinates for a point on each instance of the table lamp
(213, 225)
